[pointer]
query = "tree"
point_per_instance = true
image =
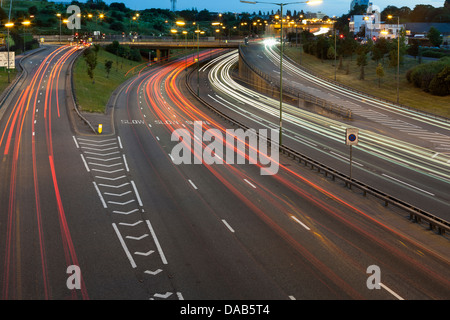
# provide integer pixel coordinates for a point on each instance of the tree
(380, 73)
(361, 61)
(435, 37)
(440, 85)
(90, 57)
(108, 66)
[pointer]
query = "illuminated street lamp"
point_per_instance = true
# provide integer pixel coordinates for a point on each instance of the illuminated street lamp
(281, 49)
(25, 23)
(59, 15)
(398, 56)
(8, 25)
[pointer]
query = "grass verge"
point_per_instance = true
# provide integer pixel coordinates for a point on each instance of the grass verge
(409, 95)
(93, 97)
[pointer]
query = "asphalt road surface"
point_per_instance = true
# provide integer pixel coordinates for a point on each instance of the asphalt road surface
(139, 226)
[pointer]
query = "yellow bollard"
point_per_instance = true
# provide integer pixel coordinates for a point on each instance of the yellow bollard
(100, 128)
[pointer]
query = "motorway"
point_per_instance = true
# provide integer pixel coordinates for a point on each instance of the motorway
(140, 226)
(385, 159)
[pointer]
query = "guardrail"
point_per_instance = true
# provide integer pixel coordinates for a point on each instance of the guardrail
(297, 93)
(415, 214)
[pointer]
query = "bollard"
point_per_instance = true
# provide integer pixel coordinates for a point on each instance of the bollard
(100, 128)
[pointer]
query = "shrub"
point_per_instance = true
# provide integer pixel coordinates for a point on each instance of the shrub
(432, 77)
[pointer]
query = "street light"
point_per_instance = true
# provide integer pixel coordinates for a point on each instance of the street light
(281, 51)
(8, 25)
(398, 56)
(25, 23)
(59, 15)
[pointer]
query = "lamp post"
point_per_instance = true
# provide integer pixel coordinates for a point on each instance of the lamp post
(281, 52)
(8, 25)
(398, 56)
(25, 23)
(59, 15)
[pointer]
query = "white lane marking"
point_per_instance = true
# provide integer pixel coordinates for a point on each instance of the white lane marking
(192, 184)
(292, 297)
(250, 183)
(137, 193)
(100, 195)
(76, 143)
(180, 296)
(127, 252)
(347, 159)
(130, 224)
(117, 194)
(112, 179)
(301, 223)
(85, 163)
(227, 225)
(121, 203)
(120, 142)
(161, 253)
(391, 292)
(111, 186)
(145, 254)
(145, 235)
(126, 213)
(409, 185)
(126, 163)
(153, 272)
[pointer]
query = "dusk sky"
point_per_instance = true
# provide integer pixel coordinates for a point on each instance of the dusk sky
(329, 7)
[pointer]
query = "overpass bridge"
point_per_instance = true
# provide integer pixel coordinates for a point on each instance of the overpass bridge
(161, 46)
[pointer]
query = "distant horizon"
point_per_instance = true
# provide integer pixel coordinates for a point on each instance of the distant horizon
(330, 8)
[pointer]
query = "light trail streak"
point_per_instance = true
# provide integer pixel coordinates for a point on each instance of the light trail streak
(402, 153)
(29, 97)
(185, 111)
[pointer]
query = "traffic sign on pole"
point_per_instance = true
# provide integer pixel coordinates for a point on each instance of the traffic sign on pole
(351, 136)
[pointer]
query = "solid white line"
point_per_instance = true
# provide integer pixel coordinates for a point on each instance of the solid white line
(85, 164)
(161, 253)
(120, 142)
(408, 184)
(391, 292)
(76, 143)
(249, 183)
(126, 163)
(100, 195)
(133, 264)
(301, 223)
(195, 187)
(137, 193)
(228, 226)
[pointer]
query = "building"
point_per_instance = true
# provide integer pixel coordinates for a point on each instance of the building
(371, 26)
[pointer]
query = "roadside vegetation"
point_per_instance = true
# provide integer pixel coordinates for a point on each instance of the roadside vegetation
(93, 89)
